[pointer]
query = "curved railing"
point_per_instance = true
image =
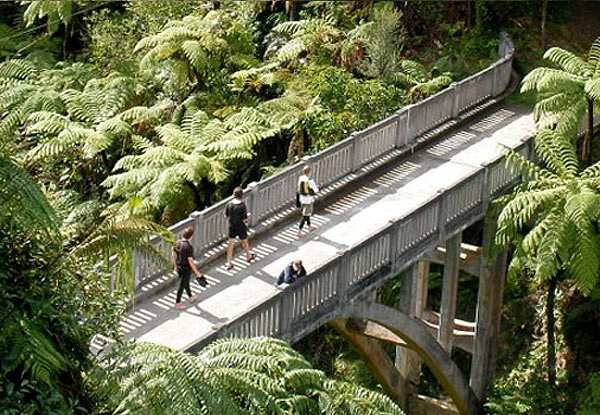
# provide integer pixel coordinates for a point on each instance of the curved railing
(401, 130)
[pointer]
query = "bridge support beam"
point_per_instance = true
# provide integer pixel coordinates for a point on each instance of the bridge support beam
(449, 291)
(375, 356)
(489, 307)
(412, 302)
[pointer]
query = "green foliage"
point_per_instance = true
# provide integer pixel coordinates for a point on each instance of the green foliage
(349, 104)
(558, 207)
(384, 43)
(57, 12)
(564, 94)
(524, 388)
(591, 397)
(249, 376)
(197, 48)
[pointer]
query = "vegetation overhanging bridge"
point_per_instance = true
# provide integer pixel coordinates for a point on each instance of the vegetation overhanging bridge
(393, 193)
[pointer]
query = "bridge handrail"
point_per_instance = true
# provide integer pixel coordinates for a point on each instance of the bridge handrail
(291, 313)
(398, 131)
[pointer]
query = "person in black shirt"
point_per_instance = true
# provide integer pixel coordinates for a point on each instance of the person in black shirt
(183, 260)
(238, 214)
(291, 273)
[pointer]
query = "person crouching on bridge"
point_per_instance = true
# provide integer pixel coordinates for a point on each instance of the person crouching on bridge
(306, 190)
(238, 215)
(291, 273)
(183, 260)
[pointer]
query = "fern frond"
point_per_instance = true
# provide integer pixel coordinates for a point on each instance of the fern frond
(22, 202)
(568, 61)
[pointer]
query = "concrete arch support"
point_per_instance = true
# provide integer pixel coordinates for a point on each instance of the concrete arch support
(418, 338)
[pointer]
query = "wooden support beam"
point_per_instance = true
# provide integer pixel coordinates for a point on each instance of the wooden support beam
(449, 291)
(426, 405)
(469, 258)
(434, 318)
(373, 330)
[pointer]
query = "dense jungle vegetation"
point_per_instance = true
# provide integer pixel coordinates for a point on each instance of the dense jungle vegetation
(118, 119)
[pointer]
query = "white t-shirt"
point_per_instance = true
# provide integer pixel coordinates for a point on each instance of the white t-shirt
(307, 199)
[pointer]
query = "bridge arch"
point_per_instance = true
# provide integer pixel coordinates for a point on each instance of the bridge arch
(418, 339)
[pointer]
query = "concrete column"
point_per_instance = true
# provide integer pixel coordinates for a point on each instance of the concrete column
(449, 289)
(489, 307)
(412, 301)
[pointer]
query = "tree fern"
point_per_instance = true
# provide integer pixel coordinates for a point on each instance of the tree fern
(198, 149)
(56, 11)
(250, 376)
(566, 94)
(559, 206)
(195, 46)
(22, 202)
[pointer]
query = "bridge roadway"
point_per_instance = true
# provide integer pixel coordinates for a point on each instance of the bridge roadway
(355, 213)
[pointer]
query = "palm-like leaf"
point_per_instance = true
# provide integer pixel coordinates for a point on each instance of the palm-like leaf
(250, 376)
(559, 206)
(22, 202)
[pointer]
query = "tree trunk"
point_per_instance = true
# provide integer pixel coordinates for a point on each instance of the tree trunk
(586, 149)
(544, 18)
(479, 16)
(196, 193)
(551, 352)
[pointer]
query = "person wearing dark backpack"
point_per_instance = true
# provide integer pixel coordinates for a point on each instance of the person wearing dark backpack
(237, 215)
(183, 260)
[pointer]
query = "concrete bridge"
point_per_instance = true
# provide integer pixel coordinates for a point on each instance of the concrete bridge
(396, 197)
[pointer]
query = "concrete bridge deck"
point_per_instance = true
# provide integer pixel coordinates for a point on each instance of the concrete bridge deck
(352, 215)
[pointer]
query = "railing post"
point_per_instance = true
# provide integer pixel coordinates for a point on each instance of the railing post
(343, 277)
(495, 81)
(402, 128)
(199, 240)
(285, 314)
(394, 229)
(355, 151)
(410, 134)
(486, 191)
(253, 203)
(441, 215)
(136, 263)
(454, 87)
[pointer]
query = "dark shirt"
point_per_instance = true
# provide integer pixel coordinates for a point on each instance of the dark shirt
(290, 275)
(237, 213)
(184, 250)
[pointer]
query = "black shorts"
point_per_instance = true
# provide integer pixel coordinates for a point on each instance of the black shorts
(238, 231)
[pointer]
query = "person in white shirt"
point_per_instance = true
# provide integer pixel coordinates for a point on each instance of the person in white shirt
(307, 188)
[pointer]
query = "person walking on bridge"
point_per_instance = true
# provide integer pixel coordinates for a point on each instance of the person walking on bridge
(238, 215)
(307, 188)
(183, 260)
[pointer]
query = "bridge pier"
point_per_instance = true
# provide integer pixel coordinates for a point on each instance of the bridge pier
(489, 307)
(449, 291)
(401, 377)
(412, 302)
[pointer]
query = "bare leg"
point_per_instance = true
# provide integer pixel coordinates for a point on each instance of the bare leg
(246, 247)
(230, 247)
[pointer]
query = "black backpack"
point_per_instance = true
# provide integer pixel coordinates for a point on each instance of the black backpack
(179, 260)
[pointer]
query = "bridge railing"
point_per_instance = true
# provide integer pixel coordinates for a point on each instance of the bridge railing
(401, 130)
(299, 308)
